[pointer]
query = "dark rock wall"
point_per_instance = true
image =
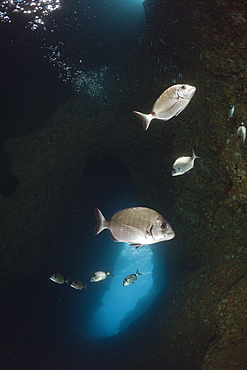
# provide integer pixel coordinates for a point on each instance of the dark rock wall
(205, 314)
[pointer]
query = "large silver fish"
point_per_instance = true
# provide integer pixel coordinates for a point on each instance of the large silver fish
(172, 102)
(100, 275)
(130, 279)
(184, 164)
(138, 226)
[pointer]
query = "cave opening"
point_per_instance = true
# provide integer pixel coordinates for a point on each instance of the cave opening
(110, 306)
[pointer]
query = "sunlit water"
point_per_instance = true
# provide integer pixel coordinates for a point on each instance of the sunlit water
(35, 11)
(119, 301)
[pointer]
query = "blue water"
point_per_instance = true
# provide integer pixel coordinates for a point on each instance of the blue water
(119, 301)
(76, 49)
(110, 307)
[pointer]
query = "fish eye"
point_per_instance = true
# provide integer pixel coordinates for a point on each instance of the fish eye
(163, 225)
(183, 87)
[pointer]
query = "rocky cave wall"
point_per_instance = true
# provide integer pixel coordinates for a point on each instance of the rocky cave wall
(204, 322)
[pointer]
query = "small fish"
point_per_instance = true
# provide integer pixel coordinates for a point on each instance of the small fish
(163, 42)
(183, 164)
(57, 278)
(242, 132)
(130, 279)
(231, 111)
(172, 102)
(77, 284)
(179, 77)
(138, 226)
(100, 275)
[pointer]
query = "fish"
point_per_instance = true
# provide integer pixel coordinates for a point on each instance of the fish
(57, 278)
(163, 42)
(137, 225)
(130, 279)
(170, 103)
(100, 275)
(184, 164)
(242, 132)
(231, 111)
(77, 284)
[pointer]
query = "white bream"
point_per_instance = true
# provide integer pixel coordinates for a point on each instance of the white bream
(172, 102)
(100, 275)
(137, 225)
(183, 164)
(130, 279)
(242, 132)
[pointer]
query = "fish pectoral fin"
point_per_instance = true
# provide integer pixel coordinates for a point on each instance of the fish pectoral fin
(180, 110)
(137, 246)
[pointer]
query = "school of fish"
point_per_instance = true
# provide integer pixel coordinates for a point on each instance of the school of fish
(141, 226)
(97, 276)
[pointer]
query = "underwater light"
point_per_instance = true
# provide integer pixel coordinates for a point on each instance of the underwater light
(36, 11)
(108, 307)
(118, 304)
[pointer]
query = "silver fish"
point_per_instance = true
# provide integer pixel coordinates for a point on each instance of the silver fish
(231, 111)
(242, 132)
(138, 226)
(130, 279)
(77, 284)
(172, 102)
(183, 164)
(100, 275)
(57, 278)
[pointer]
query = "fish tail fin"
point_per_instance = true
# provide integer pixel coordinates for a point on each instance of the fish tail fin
(85, 287)
(67, 281)
(138, 273)
(110, 273)
(145, 118)
(101, 221)
(194, 154)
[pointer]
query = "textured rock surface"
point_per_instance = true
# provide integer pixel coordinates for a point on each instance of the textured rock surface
(202, 320)
(206, 309)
